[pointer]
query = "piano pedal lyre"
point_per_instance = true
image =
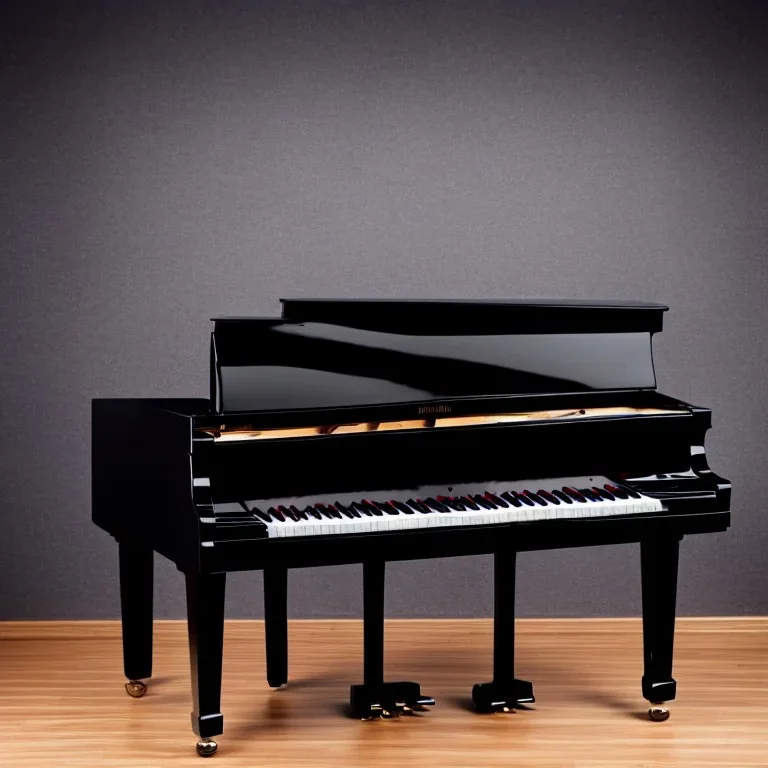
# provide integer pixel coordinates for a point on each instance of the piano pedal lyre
(388, 700)
(494, 697)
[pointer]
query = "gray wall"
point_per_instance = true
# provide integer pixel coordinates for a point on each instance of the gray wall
(164, 166)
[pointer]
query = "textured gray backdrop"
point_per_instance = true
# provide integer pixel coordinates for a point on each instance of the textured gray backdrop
(160, 167)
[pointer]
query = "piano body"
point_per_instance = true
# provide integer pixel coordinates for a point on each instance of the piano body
(366, 431)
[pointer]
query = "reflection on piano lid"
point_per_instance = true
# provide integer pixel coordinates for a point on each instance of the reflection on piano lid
(247, 433)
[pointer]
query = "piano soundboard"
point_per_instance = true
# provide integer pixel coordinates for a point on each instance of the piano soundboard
(367, 431)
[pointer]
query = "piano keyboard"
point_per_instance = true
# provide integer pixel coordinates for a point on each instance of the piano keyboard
(436, 507)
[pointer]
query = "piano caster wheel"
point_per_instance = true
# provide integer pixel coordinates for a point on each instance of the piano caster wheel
(135, 688)
(658, 713)
(206, 747)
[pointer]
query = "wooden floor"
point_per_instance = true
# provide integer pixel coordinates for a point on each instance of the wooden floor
(63, 702)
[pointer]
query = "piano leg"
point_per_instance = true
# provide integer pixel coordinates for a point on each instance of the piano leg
(205, 622)
(506, 692)
(659, 564)
(276, 624)
(375, 698)
(136, 570)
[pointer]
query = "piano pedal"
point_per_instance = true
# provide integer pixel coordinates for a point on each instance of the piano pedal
(658, 712)
(495, 697)
(206, 747)
(135, 688)
(388, 700)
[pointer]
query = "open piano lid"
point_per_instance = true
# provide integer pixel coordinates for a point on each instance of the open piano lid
(341, 353)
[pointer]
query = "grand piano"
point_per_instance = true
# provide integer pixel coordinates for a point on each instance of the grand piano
(367, 431)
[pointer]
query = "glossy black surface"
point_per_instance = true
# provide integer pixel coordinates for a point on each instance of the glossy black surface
(263, 365)
(472, 316)
(159, 481)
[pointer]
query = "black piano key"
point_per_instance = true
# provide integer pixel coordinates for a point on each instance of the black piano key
(300, 514)
(345, 510)
(288, 513)
(496, 500)
(522, 497)
(372, 508)
(547, 496)
(387, 508)
(481, 502)
(590, 495)
(574, 494)
(438, 505)
(277, 514)
(404, 508)
(362, 509)
(616, 491)
(328, 512)
(606, 494)
(451, 502)
(423, 508)
(265, 516)
(562, 496)
(631, 491)
(534, 497)
(507, 496)
(467, 501)
(312, 512)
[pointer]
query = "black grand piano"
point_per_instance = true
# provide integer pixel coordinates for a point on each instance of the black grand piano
(362, 431)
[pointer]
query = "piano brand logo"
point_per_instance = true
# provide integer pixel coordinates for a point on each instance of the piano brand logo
(434, 409)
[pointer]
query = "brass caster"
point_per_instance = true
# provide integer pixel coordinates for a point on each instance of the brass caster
(658, 713)
(135, 688)
(206, 747)
(386, 714)
(506, 709)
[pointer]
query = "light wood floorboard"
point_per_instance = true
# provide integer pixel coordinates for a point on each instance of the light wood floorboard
(63, 702)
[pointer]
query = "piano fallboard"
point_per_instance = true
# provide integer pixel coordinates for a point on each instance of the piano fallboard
(429, 544)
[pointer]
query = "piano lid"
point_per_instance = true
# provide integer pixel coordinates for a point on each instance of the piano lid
(355, 353)
(475, 316)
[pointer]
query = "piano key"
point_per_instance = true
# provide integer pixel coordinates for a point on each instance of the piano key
(590, 494)
(345, 510)
(288, 513)
(372, 508)
(574, 494)
(277, 514)
(499, 502)
(467, 501)
(437, 505)
(300, 514)
(387, 508)
(616, 491)
(562, 496)
(535, 497)
(547, 496)
(631, 491)
(606, 494)
(522, 497)
(507, 496)
(265, 516)
(483, 503)
(404, 508)
(362, 509)
(454, 504)
(312, 512)
(423, 508)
